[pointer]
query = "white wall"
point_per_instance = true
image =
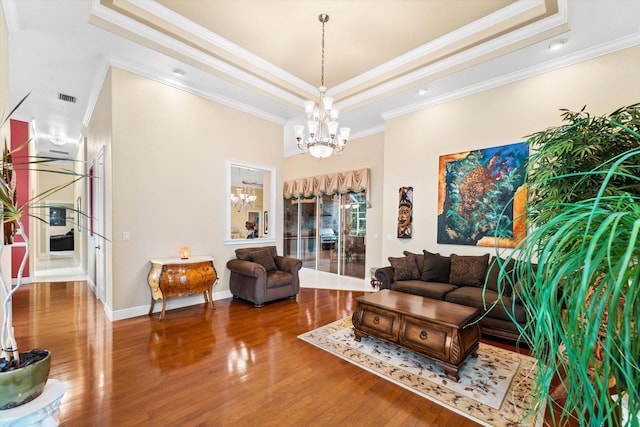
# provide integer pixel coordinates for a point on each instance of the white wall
(414, 142)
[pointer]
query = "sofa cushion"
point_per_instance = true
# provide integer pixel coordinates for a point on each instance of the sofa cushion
(404, 268)
(419, 259)
(476, 297)
(436, 268)
(264, 258)
(468, 270)
(494, 271)
(435, 290)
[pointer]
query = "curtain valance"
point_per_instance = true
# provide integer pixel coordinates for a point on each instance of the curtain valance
(341, 182)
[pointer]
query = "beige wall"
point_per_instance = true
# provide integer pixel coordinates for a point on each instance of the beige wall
(496, 117)
(167, 187)
(99, 135)
(360, 153)
(170, 149)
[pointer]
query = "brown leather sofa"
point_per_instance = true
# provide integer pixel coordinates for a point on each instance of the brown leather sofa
(260, 275)
(461, 280)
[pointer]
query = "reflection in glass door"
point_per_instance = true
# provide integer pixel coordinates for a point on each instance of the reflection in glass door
(353, 232)
(328, 232)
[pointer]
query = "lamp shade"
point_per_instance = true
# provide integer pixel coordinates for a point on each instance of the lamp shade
(185, 252)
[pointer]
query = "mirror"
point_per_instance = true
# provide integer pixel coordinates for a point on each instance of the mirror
(250, 190)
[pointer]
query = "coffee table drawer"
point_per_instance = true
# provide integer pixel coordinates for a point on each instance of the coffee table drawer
(425, 338)
(381, 323)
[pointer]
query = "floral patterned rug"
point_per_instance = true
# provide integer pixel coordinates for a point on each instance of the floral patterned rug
(493, 389)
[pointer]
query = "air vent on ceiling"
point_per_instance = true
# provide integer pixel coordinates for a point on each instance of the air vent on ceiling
(59, 152)
(67, 98)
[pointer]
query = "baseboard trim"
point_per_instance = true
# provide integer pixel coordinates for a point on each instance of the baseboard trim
(172, 303)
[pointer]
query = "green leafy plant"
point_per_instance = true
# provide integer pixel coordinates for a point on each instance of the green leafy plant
(582, 298)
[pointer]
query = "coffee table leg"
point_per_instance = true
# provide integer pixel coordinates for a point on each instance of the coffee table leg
(452, 374)
(359, 334)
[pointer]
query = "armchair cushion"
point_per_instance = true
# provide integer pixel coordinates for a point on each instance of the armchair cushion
(264, 258)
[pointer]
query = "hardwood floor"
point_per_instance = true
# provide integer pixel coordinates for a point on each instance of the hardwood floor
(236, 365)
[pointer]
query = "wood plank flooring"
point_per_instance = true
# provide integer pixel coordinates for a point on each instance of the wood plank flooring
(233, 366)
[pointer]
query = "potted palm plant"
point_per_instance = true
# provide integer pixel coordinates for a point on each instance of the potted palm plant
(22, 374)
(583, 296)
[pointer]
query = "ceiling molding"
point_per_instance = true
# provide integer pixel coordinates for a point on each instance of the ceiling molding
(96, 87)
(581, 56)
(168, 80)
(199, 31)
(98, 10)
(554, 22)
(11, 16)
(447, 40)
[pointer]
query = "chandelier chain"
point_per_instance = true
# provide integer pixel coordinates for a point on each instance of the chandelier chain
(322, 66)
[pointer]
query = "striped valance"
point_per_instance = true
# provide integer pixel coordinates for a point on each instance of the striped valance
(341, 182)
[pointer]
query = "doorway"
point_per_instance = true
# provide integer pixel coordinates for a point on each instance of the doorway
(328, 232)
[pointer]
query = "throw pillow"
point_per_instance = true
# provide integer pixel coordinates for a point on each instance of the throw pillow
(404, 268)
(436, 268)
(468, 270)
(264, 258)
(419, 259)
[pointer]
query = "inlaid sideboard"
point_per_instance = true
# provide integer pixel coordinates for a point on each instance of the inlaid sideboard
(171, 277)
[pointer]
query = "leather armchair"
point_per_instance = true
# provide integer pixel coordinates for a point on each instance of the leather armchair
(260, 275)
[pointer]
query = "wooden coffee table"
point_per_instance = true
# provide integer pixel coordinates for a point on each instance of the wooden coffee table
(439, 330)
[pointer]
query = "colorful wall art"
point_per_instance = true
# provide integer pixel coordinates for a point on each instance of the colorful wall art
(481, 196)
(405, 213)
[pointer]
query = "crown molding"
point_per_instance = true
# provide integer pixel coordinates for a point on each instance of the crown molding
(440, 43)
(552, 22)
(166, 79)
(168, 15)
(96, 87)
(11, 16)
(121, 21)
(568, 60)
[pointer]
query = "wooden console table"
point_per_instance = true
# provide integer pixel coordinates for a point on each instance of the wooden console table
(439, 330)
(170, 277)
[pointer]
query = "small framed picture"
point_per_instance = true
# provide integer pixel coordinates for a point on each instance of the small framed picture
(266, 222)
(58, 217)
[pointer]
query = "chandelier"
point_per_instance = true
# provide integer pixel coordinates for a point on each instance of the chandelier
(323, 137)
(244, 198)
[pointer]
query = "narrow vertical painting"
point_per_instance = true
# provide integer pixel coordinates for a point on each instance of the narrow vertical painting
(405, 213)
(482, 196)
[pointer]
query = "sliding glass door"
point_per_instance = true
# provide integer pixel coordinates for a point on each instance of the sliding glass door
(328, 232)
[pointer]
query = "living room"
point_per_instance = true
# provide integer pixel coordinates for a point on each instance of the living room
(167, 153)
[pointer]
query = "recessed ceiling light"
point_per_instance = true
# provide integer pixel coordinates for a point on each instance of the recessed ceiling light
(178, 71)
(557, 44)
(422, 91)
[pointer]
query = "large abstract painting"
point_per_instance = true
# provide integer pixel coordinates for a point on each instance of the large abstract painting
(481, 196)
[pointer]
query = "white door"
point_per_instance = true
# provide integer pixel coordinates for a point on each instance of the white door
(99, 223)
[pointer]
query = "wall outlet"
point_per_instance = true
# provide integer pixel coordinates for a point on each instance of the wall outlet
(126, 235)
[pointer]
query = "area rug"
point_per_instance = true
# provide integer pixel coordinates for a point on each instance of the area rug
(493, 390)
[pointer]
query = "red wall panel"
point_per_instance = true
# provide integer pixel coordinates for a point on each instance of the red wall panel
(20, 134)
